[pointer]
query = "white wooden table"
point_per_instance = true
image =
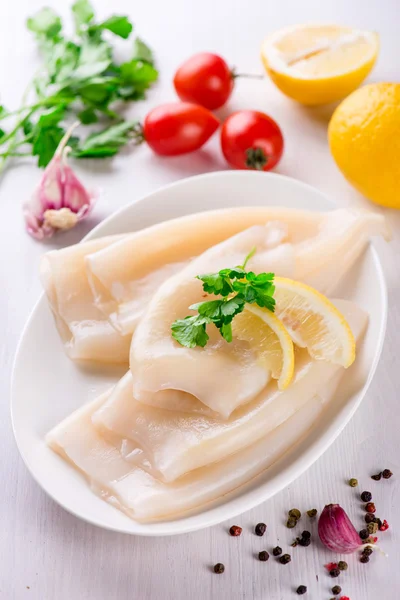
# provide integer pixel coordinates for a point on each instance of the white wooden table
(45, 553)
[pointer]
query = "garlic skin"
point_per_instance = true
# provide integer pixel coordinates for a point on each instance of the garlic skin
(336, 531)
(60, 201)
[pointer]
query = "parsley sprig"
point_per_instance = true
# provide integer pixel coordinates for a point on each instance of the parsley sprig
(236, 286)
(78, 78)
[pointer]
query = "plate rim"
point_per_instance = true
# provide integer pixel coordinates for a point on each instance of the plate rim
(299, 465)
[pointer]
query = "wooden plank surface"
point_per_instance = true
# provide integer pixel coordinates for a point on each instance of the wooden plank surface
(47, 554)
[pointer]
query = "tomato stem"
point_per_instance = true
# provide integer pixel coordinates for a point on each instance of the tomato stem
(256, 158)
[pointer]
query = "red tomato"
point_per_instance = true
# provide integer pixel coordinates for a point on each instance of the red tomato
(178, 128)
(251, 140)
(205, 79)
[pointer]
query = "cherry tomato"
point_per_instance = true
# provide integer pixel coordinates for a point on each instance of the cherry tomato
(178, 128)
(251, 140)
(205, 79)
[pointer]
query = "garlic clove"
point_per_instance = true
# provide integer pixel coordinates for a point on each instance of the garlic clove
(336, 531)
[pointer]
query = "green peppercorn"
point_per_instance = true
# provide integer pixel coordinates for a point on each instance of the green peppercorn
(342, 565)
(336, 589)
(219, 568)
(295, 513)
(291, 522)
(353, 482)
(312, 513)
(372, 528)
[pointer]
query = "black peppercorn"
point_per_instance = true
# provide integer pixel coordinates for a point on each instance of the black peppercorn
(367, 551)
(260, 529)
(263, 555)
(304, 542)
(342, 565)
(235, 530)
(219, 568)
(336, 589)
(386, 474)
(364, 558)
(369, 518)
(306, 535)
(364, 533)
(277, 551)
(301, 590)
(334, 572)
(366, 496)
(376, 477)
(378, 522)
(285, 559)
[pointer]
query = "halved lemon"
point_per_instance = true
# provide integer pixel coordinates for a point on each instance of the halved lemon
(318, 64)
(269, 339)
(314, 322)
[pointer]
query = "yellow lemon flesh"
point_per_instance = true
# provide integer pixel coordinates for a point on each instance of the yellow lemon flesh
(318, 64)
(364, 138)
(314, 322)
(268, 338)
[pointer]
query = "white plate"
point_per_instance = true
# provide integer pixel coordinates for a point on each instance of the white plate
(47, 386)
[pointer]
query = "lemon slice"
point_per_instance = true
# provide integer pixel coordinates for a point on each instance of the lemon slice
(269, 339)
(318, 64)
(314, 322)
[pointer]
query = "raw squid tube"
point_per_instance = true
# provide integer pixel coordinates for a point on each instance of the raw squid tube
(124, 276)
(176, 443)
(222, 375)
(142, 497)
(84, 330)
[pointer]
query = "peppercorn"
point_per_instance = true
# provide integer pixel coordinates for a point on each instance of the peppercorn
(260, 529)
(263, 555)
(364, 534)
(364, 558)
(370, 507)
(304, 542)
(384, 526)
(387, 473)
(277, 551)
(378, 522)
(376, 477)
(334, 572)
(235, 530)
(312, 513)
(301, 590)
(372, 528)
(295, 543)
(291, 522)
(366, 496)
(367, 551)
(306, 535)
(219, 568)
(342, 565)
(353, 482)
(369, 518)
(336, 589)
(295, 513)
(285, 559)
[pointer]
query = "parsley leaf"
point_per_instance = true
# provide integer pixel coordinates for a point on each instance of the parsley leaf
(190, 332)
(45, 23)
(237, 287)
(120, 26)
(142, 52)
(83, 14)
(108, 141)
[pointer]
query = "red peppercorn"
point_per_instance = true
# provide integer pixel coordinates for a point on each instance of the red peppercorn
(344, 598)
(370, 507)
(331, 566)
(235, 530)
(384, 526)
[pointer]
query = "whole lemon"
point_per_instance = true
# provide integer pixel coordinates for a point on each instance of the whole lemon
(364, 138)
